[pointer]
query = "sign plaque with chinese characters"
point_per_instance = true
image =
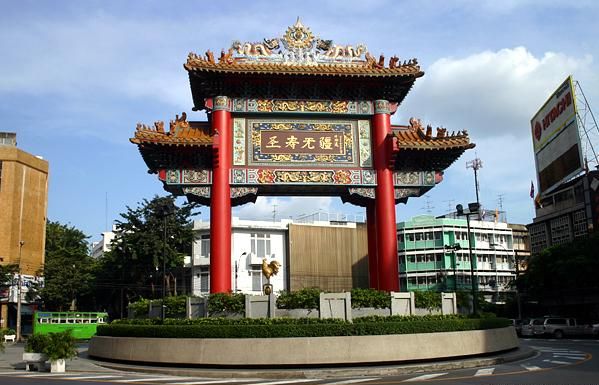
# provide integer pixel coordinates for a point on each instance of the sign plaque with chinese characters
(308, 142)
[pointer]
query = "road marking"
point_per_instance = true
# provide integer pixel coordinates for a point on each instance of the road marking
(424, 377)
(354, 381)
(94, 377)
(484, 372)
(531, 368)
(286, 381)
(209, 381)
(570, 356)
(150, 379)
(557, 362)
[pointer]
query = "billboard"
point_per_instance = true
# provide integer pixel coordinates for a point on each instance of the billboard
(556, 143)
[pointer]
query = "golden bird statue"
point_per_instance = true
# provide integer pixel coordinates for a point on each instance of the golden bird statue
(270, 269)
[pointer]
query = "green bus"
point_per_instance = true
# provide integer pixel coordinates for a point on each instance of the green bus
(82, 324)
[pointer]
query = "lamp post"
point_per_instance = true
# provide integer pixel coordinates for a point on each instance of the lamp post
(472, 210)
(519, 304)
(453, 248)
(237, 268)
(19, 283)
(166, 210)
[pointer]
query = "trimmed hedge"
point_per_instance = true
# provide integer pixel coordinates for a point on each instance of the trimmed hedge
(279, 329)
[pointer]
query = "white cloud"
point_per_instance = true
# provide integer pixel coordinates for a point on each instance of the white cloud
(284, 207)
(490, 93)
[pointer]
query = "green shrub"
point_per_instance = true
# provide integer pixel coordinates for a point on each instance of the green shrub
(226, 303)
(60, 346)
(228, 321)
(286, 328)
(306, 298)
(176, 306)
(370, 298)
(427, 299)
(36, 343)
(140, 308)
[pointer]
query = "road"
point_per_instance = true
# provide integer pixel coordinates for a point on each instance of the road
(557, 362)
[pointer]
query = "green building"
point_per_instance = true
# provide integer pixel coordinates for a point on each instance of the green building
(433, 255)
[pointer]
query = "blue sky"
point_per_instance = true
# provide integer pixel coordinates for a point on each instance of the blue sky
(76, 77)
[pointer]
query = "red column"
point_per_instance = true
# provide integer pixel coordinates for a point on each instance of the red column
(220, 199)
(386, 228)
(373, 262)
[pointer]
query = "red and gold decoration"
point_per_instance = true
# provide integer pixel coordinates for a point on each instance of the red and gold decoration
(298, 114)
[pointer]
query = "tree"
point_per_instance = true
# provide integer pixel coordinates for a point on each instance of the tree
(68, 269)
(562, 271)
(133, 267)
(7, 274)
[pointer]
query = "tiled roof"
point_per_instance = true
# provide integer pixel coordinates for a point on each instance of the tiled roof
(360, 69)
(414, 137)
(181, 133)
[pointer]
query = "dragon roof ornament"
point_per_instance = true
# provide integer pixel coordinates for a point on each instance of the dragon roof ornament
(299, 46)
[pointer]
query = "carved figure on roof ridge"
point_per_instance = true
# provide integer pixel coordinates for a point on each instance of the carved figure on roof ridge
(159, 126)
(415, 124)
(347, 51)
(393, 61)
(226, 57)
(441, 132)
(429, 131)
(178, 122)
(256, 49)
(210, 56)
(381, 61)
(465, 132)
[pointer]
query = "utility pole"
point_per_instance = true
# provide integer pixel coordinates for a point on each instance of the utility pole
(475, 164)
(19, 283)
(274, 213)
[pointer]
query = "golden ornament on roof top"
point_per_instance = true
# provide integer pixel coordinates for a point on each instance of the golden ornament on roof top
(298, 36)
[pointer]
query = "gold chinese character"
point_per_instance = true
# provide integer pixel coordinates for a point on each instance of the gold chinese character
(273, 142)
(326, 143)
(291, 142)
(309, 143)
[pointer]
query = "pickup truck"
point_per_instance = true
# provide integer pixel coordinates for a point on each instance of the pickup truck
(559, 327)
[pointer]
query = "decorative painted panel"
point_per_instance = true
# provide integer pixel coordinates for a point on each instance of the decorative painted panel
(203, 192)
(188, 176)
(238, 142)
(286, 142)
(414, 178)
(407, 192)
(365, 145)
(337, 107)
(263, 176)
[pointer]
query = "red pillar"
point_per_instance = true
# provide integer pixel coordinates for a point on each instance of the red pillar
(373, 263)
(386, 228)
(220, 199)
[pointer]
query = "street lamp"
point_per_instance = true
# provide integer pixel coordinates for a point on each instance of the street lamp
(237, 268)
(472, 210)
(519, 304)
(165, 210)
(19, 283)
(453, 248)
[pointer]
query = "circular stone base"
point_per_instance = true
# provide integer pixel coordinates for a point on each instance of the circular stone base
(304, 351)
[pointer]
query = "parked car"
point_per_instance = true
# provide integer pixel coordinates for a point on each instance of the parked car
(526, 330)
(517, 324)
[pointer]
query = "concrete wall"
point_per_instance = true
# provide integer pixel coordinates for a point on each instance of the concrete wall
(303, 351)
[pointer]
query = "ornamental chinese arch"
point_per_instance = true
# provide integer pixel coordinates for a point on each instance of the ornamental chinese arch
(299, 115)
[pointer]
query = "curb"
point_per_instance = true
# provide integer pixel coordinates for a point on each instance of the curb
(310, 373)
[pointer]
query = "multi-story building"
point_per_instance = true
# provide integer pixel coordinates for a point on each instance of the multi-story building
(331, 255)
(24, 197)
(434, 255)
(98, 248)
(569, 212)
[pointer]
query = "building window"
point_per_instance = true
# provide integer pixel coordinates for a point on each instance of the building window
(260, 245)
(437, 235)
(579, 222)
(560, 230)
(205, 245)
(256, 280)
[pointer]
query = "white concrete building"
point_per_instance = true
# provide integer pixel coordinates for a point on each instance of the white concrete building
(102, 246)
(251, 241)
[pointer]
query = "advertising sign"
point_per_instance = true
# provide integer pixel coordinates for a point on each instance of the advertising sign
(554, 128)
